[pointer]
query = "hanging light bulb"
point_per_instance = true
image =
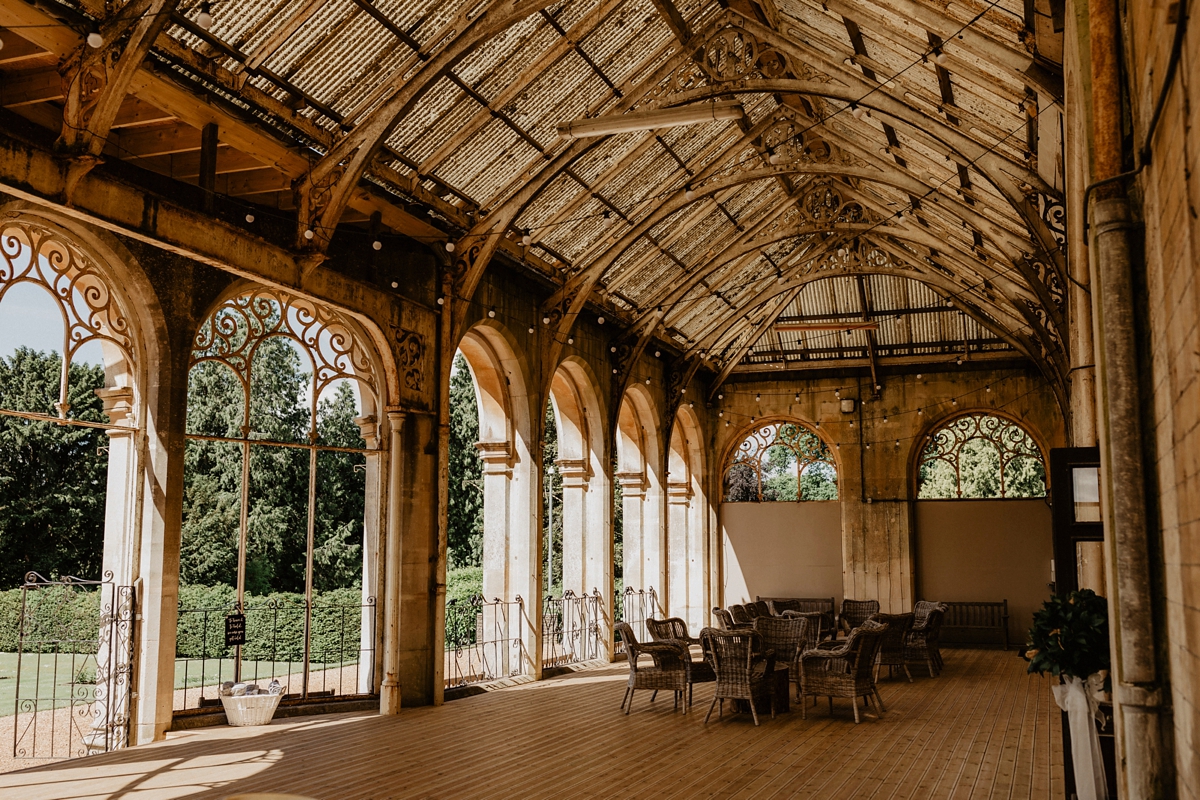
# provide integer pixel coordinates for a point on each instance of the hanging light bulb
(868, 445)
(954, 401)
(599, 320)
(752, 420)
(449, 247)
(308, 234)
(94, 39)
(376, 245)
(721, 413)
(757, 398)
(958, 361)
(545, 320)
(657, 353)
(837, 445)
(689, 194)
(918, 376)
(491, 313)
(897, 443)
(841, 252)
(941, 59)
(726, 423)
(920, 412)
(647, 381)
(204, 18)
(775, 158)
(249, 218)
(885, 419)
(837, 393)
(441, 301)
(531, 329)
(851, 423)
(526, 239)
(988, 390)
(796, 398)
(720, 397)
(570, 340)
(859, 112)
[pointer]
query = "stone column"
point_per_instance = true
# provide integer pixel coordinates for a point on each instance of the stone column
(633, 496)
(113, 663)
(373, 496)
(574, 556)
(497, 476)
(389, 690)
(679, 499)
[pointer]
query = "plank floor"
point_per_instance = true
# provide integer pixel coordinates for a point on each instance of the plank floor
(983, 729)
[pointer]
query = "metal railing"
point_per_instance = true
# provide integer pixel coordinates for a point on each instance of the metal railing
(572, 627)
(341, 652)
(74, 668)
(483, 640)
(636, 606)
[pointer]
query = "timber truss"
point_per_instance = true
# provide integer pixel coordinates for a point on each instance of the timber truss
(895, 164)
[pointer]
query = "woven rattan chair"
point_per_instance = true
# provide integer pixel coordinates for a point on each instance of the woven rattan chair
(788, 638)
(856, 612)
(725, 621)
(675, 629)
(760, 608)
(741, 615)
(743, 671)
(845, 671)
(893, 647)
(778, 607)
(922, 646)
(670, 628)
(815, 629)
(669, 671)
(921, 611)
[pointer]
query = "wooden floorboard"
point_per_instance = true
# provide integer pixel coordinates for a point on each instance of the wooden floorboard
(983, 729)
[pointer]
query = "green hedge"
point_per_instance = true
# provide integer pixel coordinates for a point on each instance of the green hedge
(58, 619)
(274, 625)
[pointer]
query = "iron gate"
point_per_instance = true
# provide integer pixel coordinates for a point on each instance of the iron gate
(74, 667)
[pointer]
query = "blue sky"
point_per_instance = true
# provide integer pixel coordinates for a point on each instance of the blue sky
(29, 317)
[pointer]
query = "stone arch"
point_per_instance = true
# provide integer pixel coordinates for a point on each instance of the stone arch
(586, 487)
(688, 558)
(641, 474)
(512, 508)
(105, 296)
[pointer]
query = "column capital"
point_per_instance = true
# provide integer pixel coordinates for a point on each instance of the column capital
(574, 471)
(118, 405)
(632, 484)
(679, 493)
(496, 457)
(369, 427)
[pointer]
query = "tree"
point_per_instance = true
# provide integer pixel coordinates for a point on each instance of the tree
(464, 537)
(552, 517)
(52, 477)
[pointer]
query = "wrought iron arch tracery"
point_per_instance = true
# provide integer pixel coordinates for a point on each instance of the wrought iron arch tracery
(233, 333)
(35, 254)
(980, 455)
(771, 456)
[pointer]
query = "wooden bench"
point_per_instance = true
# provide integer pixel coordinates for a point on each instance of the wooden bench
(972, 617)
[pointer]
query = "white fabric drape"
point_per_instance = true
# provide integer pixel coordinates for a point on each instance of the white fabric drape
(1072, 697)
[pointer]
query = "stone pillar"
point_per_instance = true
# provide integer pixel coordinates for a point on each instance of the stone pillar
(373, 496)
(113, 663)
(389, 690)
(677, 600)
(497, 476)
(575, 481)
(698, 595)
(420, 659)
(633, 498)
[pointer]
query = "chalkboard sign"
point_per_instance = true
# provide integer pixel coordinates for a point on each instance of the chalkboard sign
(235, 629)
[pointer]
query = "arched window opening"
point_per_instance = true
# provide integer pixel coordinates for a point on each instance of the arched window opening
(68, 421)
(981, 456)
(780, 461)
(281, 395)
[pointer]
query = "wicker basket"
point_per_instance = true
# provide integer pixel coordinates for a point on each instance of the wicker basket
(251, 709)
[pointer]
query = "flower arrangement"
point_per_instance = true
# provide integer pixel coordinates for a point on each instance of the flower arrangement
(1069, 637)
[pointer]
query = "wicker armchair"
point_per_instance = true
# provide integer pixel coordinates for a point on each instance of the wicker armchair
(921, 611)
(670, 669)
(741, 615)
(743, 671)
(845, 671)
(788, 638)
(760, 608)
(893, 647)
(670, 628)
(778, 607)
(815, 629)
(856, 612)
(725, 621)
(922, 646)
(675, 629)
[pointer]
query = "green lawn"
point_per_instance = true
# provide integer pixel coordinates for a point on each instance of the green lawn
(50, 676)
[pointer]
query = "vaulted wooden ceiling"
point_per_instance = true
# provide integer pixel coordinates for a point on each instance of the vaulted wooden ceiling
(899, 161)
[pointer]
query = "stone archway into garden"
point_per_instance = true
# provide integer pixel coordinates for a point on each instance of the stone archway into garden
(280, 522)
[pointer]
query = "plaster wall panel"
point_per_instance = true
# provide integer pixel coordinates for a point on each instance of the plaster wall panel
(782, 550)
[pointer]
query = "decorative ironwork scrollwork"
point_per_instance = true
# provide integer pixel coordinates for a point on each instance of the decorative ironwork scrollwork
(780, 461)
(232, 334)
(981, 455)
(1054, 213)
(410, 358)
(31, 253)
